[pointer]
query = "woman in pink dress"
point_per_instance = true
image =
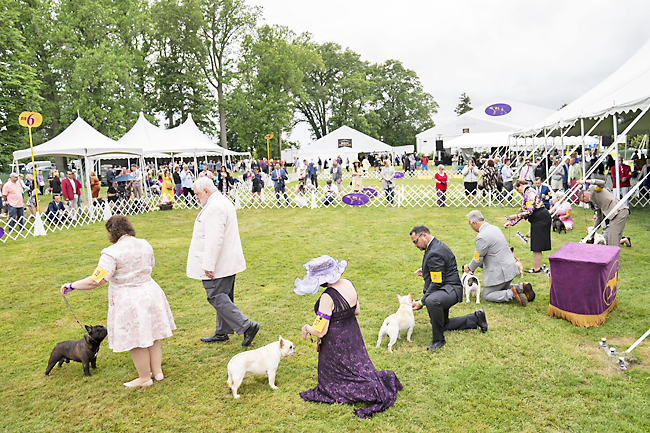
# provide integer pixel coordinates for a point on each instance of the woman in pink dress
(562, 208)
(138, 311)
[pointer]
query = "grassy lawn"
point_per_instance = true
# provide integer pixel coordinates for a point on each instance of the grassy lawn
(528, 373)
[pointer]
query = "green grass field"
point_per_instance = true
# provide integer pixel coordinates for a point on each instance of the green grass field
(529, 372)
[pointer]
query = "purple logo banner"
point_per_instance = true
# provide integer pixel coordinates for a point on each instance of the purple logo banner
(399, 174)
(372, 193)
(498, 110)
(355, 199)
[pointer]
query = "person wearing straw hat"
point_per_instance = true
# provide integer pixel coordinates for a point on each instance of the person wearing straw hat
(345, 372)
(442, 288)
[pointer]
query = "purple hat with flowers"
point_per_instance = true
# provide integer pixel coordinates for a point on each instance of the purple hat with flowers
(321, 271)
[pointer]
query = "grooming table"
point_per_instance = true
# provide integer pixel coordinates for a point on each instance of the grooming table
(583, 283)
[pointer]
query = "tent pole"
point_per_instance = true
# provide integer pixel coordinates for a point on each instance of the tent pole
(616, 166)
(582, 134)
(87, 191)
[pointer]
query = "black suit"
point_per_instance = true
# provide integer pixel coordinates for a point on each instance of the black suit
(442, 290)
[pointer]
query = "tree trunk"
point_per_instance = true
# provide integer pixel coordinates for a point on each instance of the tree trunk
(279, 144)
(222, 116)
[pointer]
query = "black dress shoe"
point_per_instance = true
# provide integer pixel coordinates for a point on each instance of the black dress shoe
(215, 338)
(481, 321)
(435, 345)
(250, 333)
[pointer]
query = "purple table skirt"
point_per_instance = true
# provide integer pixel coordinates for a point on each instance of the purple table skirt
(584, 278)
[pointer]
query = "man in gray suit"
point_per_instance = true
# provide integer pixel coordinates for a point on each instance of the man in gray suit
(605, 202)
(337, 174)
(498, 263)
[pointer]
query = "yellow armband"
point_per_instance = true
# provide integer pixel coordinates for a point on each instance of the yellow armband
(436, 277)
(319, 323)
(98, 275)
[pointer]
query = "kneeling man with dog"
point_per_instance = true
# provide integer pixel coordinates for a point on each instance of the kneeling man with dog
(442, 288)
(498, 263)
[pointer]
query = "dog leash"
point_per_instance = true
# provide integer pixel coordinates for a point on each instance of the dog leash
(75, 317)
(312, 340)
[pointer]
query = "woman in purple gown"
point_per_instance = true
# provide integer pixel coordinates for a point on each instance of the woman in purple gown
(345, 372)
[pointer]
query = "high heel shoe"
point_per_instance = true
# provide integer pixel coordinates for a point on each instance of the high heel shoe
(134, 383)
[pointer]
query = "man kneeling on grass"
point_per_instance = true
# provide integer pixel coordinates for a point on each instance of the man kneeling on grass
(498, 263)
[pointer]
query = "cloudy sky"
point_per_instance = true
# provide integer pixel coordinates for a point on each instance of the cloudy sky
(544, 53)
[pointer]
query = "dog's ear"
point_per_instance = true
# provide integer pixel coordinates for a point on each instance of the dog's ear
(281, 342)
(88, 328)
(397, 298)
(512, 249)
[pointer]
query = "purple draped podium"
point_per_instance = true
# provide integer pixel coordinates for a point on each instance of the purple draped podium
(583, 283)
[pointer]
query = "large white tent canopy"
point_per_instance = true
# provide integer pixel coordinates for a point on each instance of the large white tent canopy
(623, 93)
(495, 118)
(78, 139)
(345, 142)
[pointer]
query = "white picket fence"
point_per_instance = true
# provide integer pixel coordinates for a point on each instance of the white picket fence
(420, 196)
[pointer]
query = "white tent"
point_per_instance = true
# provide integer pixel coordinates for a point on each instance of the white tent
(344, 141)
(499, 117)
(624, 92)
(617, 106)
(488, 140)
(78, 139)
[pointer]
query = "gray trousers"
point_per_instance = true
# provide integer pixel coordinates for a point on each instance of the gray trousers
(616, 226)
(499, 293)
(221, 295)
(438, 304)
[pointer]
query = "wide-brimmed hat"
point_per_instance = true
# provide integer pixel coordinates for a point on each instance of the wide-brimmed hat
(321, 271)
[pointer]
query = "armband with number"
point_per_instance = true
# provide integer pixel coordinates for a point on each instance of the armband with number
(98, 275)
(320, 321)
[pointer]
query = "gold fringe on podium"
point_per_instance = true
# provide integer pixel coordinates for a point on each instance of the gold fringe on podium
(583, 320)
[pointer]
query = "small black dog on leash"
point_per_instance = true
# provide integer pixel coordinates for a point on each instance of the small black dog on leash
(83, 350)
(558, 224)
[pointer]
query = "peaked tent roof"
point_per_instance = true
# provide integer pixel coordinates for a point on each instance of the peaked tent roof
(153, 141)
(626, 90)
(78, 139)
(502, 116)
(328, 146)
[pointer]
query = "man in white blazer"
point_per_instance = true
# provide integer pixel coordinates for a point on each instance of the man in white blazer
(498, 263)
(215, 257)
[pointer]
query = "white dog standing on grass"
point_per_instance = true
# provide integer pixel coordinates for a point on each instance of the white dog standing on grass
(402, 320)
(471, 286)
(264, 360)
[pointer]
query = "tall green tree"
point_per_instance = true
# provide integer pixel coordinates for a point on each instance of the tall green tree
(464, 105)
(271, 78)
(180, 88)
(400, 107)
(19, 85)
(225, 23)
(334, 90)
(103, 46)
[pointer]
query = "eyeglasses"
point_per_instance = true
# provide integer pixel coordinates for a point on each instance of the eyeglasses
(417, 239)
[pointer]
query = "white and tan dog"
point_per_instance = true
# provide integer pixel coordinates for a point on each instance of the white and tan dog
(597, 237)
(401, 321)
(519, 265)
(264, 360)
(471, 285)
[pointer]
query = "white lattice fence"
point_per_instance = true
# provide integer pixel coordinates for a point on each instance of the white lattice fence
(404, 196)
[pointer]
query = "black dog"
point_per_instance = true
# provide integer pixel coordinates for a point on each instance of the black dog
(558, 225)
(83, 350)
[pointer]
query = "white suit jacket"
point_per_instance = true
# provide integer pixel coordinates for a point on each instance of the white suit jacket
(215, 245)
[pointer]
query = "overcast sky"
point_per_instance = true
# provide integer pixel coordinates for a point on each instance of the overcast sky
(544, 53)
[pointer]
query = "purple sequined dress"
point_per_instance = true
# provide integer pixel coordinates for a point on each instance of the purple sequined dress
(345, 372)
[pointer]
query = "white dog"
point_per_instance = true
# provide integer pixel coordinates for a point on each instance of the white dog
(471, 285)
(401, 321)
(598, 238)
(264, 360)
